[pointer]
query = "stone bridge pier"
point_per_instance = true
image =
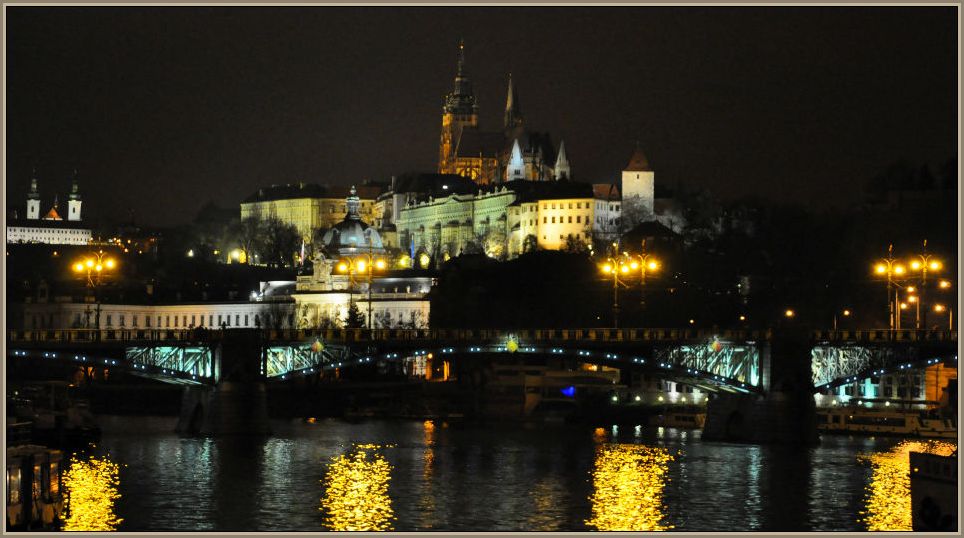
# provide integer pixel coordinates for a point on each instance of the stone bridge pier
(785, 412)
(237, 403)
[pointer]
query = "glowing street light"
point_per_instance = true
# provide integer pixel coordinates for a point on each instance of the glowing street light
(890, 267)
(789, 313)
(94, 267)
(939, 308)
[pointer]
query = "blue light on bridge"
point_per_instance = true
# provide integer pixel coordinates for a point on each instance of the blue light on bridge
(569, 391)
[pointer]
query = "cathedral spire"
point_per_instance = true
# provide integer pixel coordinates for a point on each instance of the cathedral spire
(461, 100)
(74, 188)
(460, 68)
(513, 110)
(561, 169)
(34, 193)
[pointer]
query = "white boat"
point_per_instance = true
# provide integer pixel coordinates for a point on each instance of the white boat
(678, 419)
(885, 422)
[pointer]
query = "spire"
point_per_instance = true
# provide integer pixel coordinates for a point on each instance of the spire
(34, 193)
(513, 110)
(74, 188)
(461, 100)
(561, 169)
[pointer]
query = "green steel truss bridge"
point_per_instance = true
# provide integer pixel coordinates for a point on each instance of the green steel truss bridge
(719, 361)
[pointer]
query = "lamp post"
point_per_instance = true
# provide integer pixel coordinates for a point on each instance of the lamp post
(642, 261)
(923, 263)
(845, 313)
(95, 266)
(939, 308)
(614, 266)
(366, 265)
(890, 268)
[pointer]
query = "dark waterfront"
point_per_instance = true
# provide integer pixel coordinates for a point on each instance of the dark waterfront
(419, 476)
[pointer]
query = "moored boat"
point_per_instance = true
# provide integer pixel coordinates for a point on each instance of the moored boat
(898, 422)
(34, 494)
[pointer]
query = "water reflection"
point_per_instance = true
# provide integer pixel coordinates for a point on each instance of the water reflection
(887, 496)
(91, 488)
(356, 491)
(628, 482)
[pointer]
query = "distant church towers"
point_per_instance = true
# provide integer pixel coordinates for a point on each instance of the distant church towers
(33, 199)
(73, 200)
(459, 110)
(638, 189)
(512, 120)
(561, 169)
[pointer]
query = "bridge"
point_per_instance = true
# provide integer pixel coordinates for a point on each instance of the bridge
(714, 360)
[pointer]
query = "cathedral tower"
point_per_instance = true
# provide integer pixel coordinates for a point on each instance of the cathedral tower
(561, 169)
(459, 111)
(513, 119)
(73, 200)
(33, 199)
(638, 189)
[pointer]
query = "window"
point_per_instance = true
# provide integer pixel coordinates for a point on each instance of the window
(219, 320)
(167, 321)
(578, 219)
(570, 219)
(545, 219)
(147, 321)
(553, 206)
(211, 320)
(158, 322)
(570, 205)
(543, 206)
(237, 319)
(192, 319)
(134, 320)
(109, 320)
(245, 320)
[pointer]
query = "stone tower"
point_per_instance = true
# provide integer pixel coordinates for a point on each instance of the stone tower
(459, 111)
(73, 200)
(33, 199)
(561, 169)
(637, 189)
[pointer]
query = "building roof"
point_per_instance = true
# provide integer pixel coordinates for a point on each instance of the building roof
(310, 190)
(52, 214)
(605, 191)
(638, 162)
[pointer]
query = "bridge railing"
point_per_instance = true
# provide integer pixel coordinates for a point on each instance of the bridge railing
(885, 335)
(89, 336)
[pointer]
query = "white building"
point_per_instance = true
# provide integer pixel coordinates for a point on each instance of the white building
(50, 229)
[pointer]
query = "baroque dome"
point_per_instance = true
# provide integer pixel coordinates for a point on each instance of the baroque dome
(352, 234)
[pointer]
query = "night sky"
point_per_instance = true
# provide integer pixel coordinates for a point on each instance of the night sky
(163, 109)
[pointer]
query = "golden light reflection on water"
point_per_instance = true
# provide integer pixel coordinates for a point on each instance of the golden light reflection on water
(887, 496)
(628, 482)
(356, 491)
(91, 491)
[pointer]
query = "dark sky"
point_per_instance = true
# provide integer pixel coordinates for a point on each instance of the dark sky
(163, 109)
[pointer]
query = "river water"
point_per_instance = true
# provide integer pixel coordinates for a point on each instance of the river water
(431, 475)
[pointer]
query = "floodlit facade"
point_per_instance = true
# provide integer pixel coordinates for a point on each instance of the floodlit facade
(52, 228)
(308, 207)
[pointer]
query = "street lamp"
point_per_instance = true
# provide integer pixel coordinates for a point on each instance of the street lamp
(615, 266)
(846, 312)
(923, 263)
(939, 308)
(890, 268)
(366, 264)
(95, 266)
(642, 262)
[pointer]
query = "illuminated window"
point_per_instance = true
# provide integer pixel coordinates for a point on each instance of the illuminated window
(570, 219)
(167, 321)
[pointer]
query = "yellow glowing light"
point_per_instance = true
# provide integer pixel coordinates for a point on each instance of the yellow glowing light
(899, 270)
(915, 265)
(935, 265)
(89, 263)
(944, 284)
(423, 260)
(356, 492)
(628, 483)
(911, 289)
(903, 306)
(342, 267)
(360, 265)
(78, 267)
(99, 268)
(789, 313)
(634, 266)
(880, 268)
(109, 263)
(939, 308)
(742, 318)
(912, 299)
(511, 346)
(607, 268)
(236, 254)
(380, 264)
(692, 321)
(624, 269)
(846, 312)
(652, 266)
(887, 505)
(91, 490)
(404, 261)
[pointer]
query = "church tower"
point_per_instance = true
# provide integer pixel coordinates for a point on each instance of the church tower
(516, 168)
(561, 169)
(73, 200)
(459, 111)
(513, 119)
(638, 189)
(33, 199)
